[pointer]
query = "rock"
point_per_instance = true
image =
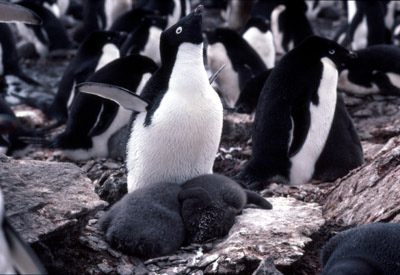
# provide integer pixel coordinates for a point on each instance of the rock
(369, 193)
(106, 269)
(267, 267)
(112, 187)
(47, 199)
(282, 232)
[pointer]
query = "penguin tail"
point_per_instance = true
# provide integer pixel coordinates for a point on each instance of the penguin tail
(255, 198)
(47, 129)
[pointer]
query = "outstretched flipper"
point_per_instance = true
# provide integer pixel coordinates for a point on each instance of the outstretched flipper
(254, 198)
(11, 13)
(122, 96)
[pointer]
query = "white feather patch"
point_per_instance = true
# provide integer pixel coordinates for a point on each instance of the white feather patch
(278, 35)
(228, 80)
(263, 44)
(321, 117)
(349, 87)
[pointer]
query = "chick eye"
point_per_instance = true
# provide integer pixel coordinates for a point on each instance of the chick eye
(332, 51)
(178, 30)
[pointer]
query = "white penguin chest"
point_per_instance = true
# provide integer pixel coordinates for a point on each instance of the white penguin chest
(183, 138)
(228, 80)
(263, 44)
(152, 47)
(321, 117)
(278, 35)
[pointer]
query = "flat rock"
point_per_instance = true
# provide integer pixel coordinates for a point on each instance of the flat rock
(46, 199)
(369, 193)
(282, 232)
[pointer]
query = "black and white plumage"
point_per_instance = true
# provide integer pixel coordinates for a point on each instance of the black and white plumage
(289, 25)
(9, 64)
(146, 222)
(295, 113)
(374, 71)
(50, 36)
(242, 62)
(93, 120)
(369, 249)
(175, 136)
(210, 204)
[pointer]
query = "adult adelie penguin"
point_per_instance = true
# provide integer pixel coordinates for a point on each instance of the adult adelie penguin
(289, 25)
(92, 120)
(295, 113)
(374, 71)
(242, 62)
(370, 249)
(257, 32)
(50, 36)
(176, 135)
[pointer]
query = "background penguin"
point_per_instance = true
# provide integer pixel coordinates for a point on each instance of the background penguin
(94, 19)
(257, 33)
(145, 40)
(16, 257)
(146, 223)
(9, 57)
(114, 8)
(210, 204)
(367, 26)
(176, 135)
(370, 249)
(93, 120)
(289, 25)
(249, 95)
(98, 49)
(174, 9)
(50, 36)
(372, 72)
(242, 62)
(295, 113)
(264, 8)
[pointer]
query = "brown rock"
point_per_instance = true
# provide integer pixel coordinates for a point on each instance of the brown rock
(46, 199)
(370, 193)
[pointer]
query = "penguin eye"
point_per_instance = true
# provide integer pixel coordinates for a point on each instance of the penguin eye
(178, 30)
(332, 51)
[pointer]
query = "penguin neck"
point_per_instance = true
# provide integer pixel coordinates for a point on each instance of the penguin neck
(187, 56)
(188, 72)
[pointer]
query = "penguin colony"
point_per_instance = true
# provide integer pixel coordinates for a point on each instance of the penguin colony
(139, 68)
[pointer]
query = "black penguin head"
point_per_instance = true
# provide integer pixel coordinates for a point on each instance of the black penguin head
(260, 22)
(186, 30)
(97, 39)
(319, 47)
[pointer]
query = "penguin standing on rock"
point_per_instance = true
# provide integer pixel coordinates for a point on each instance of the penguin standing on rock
(93, 120)
(370, 249)
(295, 113)
(176, 134)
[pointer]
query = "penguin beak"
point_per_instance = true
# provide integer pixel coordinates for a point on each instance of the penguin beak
(199, 10)
(352, 55)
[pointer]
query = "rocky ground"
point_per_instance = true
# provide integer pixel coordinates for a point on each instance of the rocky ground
(303, 219)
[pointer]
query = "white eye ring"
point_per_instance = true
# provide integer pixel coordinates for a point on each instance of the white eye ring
(178, 30)
(332, 51)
